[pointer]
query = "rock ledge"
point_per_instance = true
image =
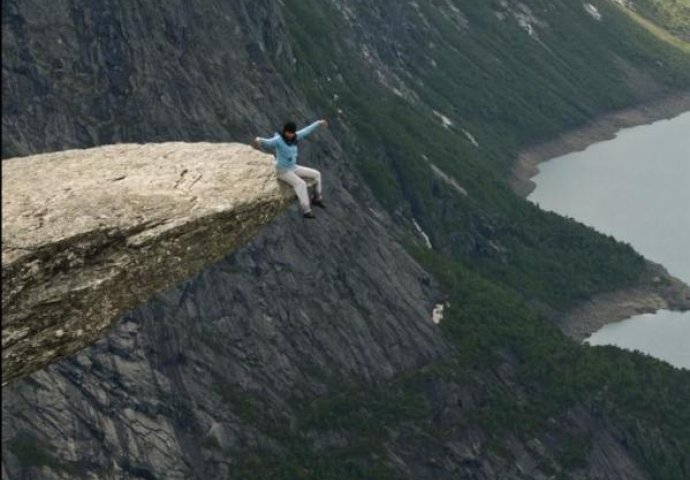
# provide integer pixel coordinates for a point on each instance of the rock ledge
(89, 234)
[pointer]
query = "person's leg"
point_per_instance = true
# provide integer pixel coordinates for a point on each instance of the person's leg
(300, 186)
(306, 172)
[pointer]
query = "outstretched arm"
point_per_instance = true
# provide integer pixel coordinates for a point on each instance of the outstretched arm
(264, 143)
(306, 131)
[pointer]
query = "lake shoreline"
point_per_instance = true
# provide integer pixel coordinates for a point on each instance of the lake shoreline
(599, 129)
(656, 289)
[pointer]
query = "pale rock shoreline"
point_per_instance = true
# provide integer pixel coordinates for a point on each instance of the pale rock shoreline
(602, 128)
(657, 290)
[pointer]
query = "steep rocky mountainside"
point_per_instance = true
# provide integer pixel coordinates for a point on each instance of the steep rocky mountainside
(304, 311)
(311, 353)
(140, 72)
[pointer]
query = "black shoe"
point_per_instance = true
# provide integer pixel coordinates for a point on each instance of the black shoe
(318, 201)
(309, 215)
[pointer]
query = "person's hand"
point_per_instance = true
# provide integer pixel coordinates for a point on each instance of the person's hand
(255, 143)
(323, 122)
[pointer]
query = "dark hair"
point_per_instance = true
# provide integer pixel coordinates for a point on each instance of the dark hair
(290, 127)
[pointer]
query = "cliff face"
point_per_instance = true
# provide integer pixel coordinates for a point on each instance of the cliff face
(139, 72)
(261, 366)
(305, 310)
(122, 223)
(204, 374)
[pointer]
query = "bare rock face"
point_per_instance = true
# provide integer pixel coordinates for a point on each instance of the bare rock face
(87, 235)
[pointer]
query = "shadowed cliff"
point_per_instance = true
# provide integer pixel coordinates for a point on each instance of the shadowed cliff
(90, 234)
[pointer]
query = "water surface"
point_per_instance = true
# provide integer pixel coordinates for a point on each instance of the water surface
(635, 187)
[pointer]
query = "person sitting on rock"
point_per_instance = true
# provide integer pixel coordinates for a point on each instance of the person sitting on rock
(284, 147)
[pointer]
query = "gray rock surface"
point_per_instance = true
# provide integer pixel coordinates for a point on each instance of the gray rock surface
(122, 223)
(79, 74)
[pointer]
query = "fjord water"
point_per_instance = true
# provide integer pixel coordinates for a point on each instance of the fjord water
(635, 187)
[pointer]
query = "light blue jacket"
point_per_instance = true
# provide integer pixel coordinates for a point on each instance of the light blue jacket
(286, 155)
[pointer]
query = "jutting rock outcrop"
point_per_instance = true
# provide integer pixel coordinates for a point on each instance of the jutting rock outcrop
(87, 235)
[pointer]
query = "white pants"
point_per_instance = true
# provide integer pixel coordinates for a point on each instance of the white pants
(294, 177)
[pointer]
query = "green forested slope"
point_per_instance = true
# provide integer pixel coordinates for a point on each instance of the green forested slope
(507, 89)
(522, 382)
(497, 256)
